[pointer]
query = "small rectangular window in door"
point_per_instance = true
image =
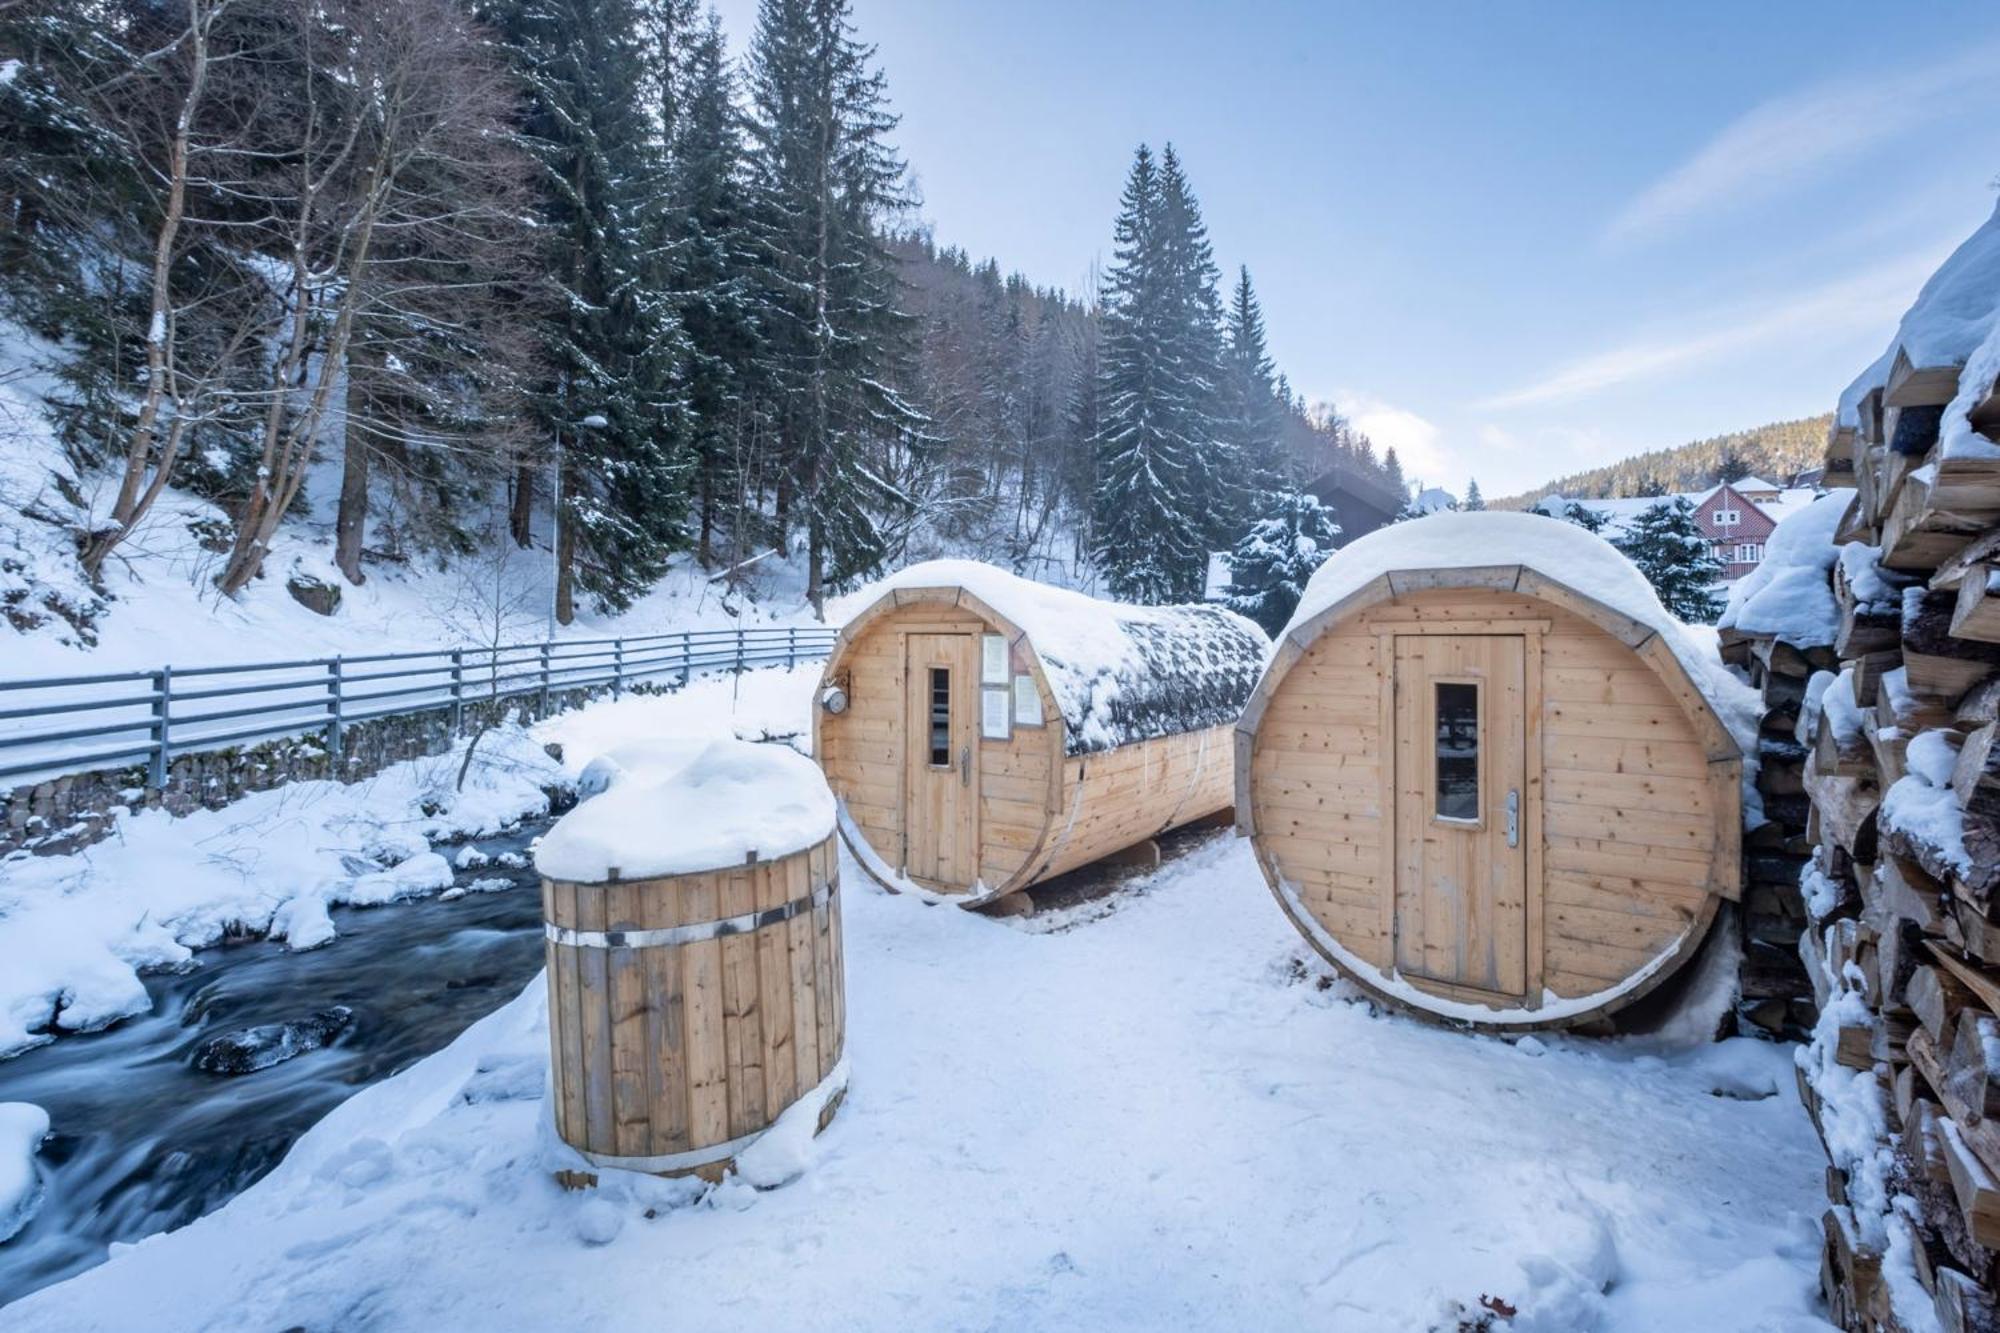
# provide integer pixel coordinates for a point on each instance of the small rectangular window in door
(940, 717)
(1457, 764)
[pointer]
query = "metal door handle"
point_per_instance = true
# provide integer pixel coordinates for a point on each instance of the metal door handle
(965, 766)
(1513, 819)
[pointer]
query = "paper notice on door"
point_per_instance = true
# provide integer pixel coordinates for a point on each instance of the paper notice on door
(993, 659)
(993, 715)
(1027, 702)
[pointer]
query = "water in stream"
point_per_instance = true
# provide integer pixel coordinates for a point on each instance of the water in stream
(143, 1141)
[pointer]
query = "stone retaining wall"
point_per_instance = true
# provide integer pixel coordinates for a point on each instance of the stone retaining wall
(71, 812)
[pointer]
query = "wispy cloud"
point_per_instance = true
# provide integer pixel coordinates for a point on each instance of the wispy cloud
(1412, 436)
(1786, 137)
(1873, 298)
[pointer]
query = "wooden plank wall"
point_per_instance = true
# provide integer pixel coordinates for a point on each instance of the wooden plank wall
(668, 1050)
(1630, 817)
(1135, 792)
(1040, 813)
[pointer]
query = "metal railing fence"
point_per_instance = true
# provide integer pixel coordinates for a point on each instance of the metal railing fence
(75, 724)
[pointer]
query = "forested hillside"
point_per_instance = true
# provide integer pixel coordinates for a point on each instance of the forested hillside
(448, 267)
(1777, 452)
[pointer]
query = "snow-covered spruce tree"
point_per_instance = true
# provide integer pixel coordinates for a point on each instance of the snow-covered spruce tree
(1670, 550)
(1142, 537)
(1168, 484)
(1252, 414)
(1270, 566)
(1392, 470)
(715, 268)
(825, 179)
(1473, 501)
(1572, 511)
(611, 409)
(1221, 477)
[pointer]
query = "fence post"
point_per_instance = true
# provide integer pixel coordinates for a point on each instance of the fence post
(687, 670)
(617, 667)
(457, 691)
(739, 650)
(545, 677)
(334, 719)
(791, 646)
(163, 699)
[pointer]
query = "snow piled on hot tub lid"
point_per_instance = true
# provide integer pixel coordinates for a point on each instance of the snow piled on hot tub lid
(1580, 560)
(1120, 674)
(675, 808)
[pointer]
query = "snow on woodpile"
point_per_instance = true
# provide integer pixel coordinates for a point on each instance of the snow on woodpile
(1921, 806)
(1120, 674)
(664, 810)
(1956, 437)
(1952, 322)
(1579, 560)
(1789, 596)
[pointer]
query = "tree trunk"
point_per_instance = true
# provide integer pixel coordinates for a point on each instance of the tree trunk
(705, 547)
(135, 497)
(565, 537)
(521, 517)
(350, 521)
(815, 576)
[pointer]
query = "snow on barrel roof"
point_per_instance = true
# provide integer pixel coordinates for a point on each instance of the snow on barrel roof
(1579, 560)
(1119, 673)
(670, 809)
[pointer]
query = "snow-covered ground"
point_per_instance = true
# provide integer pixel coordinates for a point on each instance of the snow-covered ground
(76, 930)
(1165, 1116)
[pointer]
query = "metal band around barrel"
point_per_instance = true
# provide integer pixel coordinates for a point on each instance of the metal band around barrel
(693, 933)
(834, 1082)
(673, 1161)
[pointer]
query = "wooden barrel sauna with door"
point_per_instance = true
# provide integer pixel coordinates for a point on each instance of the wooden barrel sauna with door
(692, 1004)
(1488, 777)
(983, 732)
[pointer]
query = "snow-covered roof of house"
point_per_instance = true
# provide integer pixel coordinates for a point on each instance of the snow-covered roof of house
(1620, 512)
(1747, 484)
(1563, 553)
(676, 809)
(1431, 499)
(1790, 594)
(1953, 316)
(1119, 674)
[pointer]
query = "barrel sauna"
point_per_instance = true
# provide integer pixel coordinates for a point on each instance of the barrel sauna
(692, 925)
(983, 732)
(1489, 777)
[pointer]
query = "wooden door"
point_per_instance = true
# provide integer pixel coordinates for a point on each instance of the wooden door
(941, 760)
(1461, 866)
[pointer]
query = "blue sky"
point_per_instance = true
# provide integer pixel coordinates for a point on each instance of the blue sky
(1511, 239)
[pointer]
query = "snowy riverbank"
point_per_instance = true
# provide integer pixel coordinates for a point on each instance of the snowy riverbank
(1163, 1116)
(76, 931)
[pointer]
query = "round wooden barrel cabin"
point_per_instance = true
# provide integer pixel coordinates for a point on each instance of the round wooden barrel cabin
(983, 732)
(1488, 776)
(696, 988)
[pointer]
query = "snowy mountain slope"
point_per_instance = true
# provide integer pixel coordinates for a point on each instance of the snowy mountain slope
(1172, 1119)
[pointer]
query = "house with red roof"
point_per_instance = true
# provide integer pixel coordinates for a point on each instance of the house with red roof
(1736, 517)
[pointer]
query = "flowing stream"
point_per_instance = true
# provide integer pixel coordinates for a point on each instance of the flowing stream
(145, 1140)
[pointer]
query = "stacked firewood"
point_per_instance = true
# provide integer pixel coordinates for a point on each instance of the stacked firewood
(1774, 992)
(1902, 771)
